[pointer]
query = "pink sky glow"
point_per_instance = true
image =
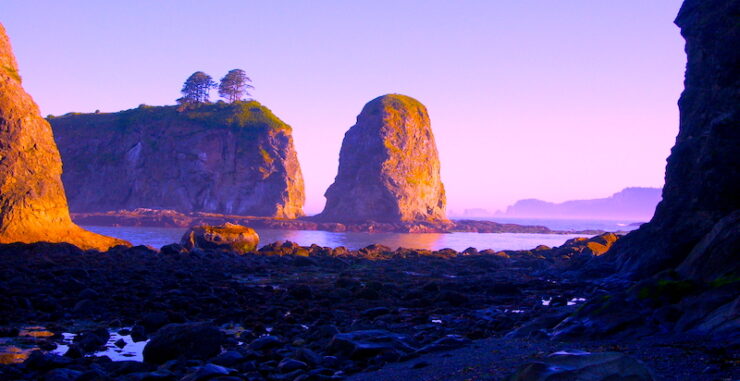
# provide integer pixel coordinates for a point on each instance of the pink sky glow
(545, 99)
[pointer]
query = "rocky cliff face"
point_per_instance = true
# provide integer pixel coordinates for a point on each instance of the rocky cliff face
(33, 206)
(223, 158)
(388, 166)
(701, 196)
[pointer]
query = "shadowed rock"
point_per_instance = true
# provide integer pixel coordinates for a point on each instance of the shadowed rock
(190, 340)
(388, 166)
(33, 206)
(702, 185)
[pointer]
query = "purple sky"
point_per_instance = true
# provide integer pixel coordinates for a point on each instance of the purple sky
(555, 100)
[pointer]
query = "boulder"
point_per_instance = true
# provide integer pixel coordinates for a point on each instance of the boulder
(62, 374)
(38, 360)
(369, 343)
(227, 237)
(189, 341)
(600, 244)
(90, 341)
(584, 366)
(265, 343)
(388, 166)
(207, 372)
(33, 205)
(445, 343)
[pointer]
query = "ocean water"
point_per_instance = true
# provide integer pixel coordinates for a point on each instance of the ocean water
(158, 237)
(567, 224)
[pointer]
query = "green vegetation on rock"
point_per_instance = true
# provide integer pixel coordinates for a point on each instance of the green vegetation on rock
(671, 290)
(724, 280)
(240, 114)
(243, 114)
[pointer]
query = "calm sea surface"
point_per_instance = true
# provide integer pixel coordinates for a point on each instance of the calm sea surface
(158, 237)
(566, 224)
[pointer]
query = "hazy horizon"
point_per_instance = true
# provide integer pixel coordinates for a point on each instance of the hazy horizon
(574, 100)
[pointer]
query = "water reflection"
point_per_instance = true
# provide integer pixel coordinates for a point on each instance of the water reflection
(127, 349)
(10, 354)
(158, 237)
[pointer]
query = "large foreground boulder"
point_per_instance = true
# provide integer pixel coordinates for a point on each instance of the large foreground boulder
(33, 205)
(703, 172)
(227, 237)
(189, 341)
(388, 166)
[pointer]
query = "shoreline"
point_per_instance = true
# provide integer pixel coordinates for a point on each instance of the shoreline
(169, 219)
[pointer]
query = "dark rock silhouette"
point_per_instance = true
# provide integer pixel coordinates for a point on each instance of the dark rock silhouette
(702, 188)
(233, 158)
(388, 166)
(33, 206)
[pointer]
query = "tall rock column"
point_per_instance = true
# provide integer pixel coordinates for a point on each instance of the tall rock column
(33, 206)
(388, 166)
(696, 228)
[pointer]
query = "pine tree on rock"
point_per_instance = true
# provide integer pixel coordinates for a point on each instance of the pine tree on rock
(197, 88)
(234, 85)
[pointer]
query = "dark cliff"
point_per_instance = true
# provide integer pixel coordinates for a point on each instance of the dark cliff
(33, 206)
(388, 166)
(697, 223)
(224, 158)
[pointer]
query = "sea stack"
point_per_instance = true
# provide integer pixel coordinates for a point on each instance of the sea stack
(696, 228)
(388, 167)
(33, 206)
(228, 158)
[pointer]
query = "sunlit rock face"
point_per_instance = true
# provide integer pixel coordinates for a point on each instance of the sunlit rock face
(223, 158)
(33, 206)
(227, 237)
(698, 217)
(388, 166)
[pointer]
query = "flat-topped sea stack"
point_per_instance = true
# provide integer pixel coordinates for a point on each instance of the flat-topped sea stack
(696, 228)
(388, 167)
(231, 158)
(33, 206)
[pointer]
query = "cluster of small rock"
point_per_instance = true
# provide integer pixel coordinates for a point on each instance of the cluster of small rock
(322, 312)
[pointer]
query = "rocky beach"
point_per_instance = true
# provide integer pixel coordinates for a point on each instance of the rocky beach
(659, 303)
(288, 312)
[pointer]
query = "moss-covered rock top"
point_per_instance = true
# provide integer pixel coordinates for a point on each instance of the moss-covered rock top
(393, 103)
(240, 114)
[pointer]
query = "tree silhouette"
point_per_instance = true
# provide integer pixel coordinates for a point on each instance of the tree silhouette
(197, 88)
(234, 85)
